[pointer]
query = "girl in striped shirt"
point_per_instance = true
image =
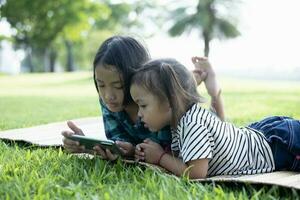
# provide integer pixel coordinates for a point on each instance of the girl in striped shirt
(202, 143)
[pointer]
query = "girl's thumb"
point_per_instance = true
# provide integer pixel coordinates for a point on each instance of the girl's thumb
(203, 75)
(74, 128)
(124, 145)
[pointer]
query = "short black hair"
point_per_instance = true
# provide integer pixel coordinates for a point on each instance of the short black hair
(126, 54)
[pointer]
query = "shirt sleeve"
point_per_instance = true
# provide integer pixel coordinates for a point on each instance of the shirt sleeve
(113, 129)
(197, 142)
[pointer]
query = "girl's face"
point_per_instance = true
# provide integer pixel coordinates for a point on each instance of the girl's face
(110, 87)
(153, 112)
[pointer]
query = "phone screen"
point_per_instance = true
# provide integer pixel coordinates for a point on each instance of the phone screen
(89, 143)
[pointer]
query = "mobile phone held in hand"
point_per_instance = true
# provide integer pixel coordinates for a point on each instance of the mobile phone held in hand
(89, 143)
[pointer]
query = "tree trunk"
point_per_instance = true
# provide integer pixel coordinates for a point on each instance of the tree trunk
(70, 58)
(46, 59)
(29, 60)
(206, 44)
(52, 59)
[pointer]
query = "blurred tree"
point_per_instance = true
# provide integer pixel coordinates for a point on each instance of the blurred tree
(82, 19)
(208, 18)
(38, 23)
(69, 31)
(125, 17)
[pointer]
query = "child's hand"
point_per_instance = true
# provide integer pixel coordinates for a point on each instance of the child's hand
(203, 66)
(199, 75)
(207, 71)
(105, 153)
(71, 145)
(139, 153)
(150, 151)
(126, 147)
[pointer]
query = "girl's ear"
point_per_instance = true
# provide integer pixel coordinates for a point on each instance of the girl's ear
(165, 106)
(168, 106)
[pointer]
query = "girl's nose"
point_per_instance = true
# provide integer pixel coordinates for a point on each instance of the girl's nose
(140, 114)
(110, 96)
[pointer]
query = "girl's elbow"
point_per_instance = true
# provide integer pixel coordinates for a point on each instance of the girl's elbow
(198, 175)
(198, 169)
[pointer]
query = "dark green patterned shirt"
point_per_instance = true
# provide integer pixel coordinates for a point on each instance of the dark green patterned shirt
(118, 126)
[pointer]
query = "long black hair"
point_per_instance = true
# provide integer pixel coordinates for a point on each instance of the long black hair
(126, 54)
(170, 81)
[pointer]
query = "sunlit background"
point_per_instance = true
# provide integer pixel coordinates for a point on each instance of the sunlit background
(268, 45)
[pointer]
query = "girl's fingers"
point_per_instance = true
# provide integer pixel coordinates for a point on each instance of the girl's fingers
(143, 146)
(126, 147)
(198, 72)
(203, 75)
(100, 152)
(69, 142)
(74, 128)
(138, 158)
(138, 147)
(196, 59)
(74, 149)
(66, 134)
(139, 153)
(148, 141)
(110, 155)
(70, 149)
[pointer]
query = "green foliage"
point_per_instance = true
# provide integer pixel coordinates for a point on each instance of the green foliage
(85, 51)
(39, 22)
(69, 32)
(44, 28)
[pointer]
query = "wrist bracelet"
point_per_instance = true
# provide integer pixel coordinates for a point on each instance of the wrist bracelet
(160, 157)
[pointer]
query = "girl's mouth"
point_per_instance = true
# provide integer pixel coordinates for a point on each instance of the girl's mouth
(112, 105)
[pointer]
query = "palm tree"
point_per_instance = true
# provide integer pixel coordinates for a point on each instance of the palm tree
(206, 19)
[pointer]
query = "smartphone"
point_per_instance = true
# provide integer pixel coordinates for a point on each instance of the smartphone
(89, 143)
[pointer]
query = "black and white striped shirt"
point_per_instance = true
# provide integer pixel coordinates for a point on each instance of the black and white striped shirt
(230, 150)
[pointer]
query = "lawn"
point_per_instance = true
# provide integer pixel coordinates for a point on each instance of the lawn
(33, 173)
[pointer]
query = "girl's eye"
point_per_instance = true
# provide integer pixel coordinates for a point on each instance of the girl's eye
(100, 86)
(119, 87)
(143, 106)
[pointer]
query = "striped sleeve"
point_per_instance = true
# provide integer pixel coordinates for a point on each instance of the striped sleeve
(196, 142)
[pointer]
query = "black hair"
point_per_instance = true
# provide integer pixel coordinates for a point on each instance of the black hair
(126, 54)
(170, 81)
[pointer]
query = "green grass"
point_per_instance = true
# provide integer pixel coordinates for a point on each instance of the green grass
(34, 173)
(28, 100)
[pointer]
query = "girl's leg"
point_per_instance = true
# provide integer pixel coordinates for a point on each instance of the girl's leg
(282, 157)
(283, 135)
(267, 123)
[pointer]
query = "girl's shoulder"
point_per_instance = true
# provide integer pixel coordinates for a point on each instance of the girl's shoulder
(194, 114)
(197, 114)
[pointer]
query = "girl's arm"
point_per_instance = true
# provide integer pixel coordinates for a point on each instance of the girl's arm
(206, 72)
(216, 104)
(195, 169)
(153, 153)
